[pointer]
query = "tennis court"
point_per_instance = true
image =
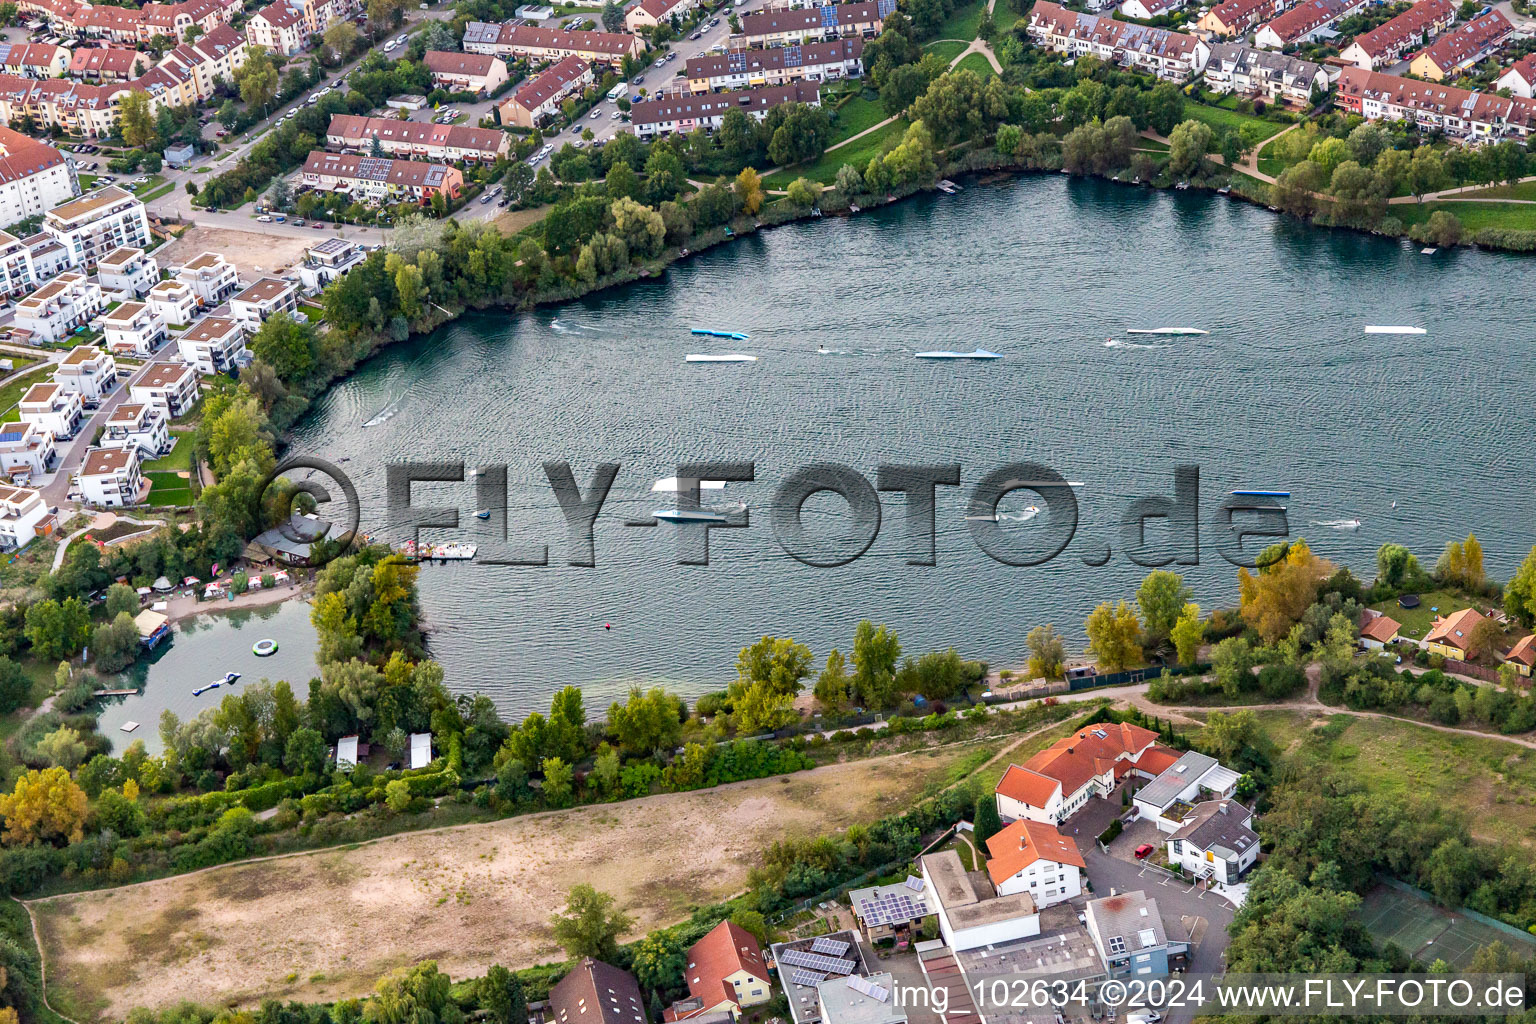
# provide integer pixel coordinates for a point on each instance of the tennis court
(1428, 932)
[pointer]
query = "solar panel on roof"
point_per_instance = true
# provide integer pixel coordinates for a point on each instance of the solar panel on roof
(828, 16)
(816, 962)
(869, 988)
(832, 947)
(801, 976)
(914, 883)
(891, 908)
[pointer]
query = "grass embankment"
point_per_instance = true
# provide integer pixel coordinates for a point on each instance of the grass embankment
(479, 895)
(947, 49)
(1474, 216)
(963, 23)
(10, 394)
(1222, 119)
(170, 475)
(857, 153)
(859, 114)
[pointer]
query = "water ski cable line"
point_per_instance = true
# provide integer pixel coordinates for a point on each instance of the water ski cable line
(730, 357)
(979, 353)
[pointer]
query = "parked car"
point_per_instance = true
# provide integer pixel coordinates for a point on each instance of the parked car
(298, 222)
(596, 113)
(1143, 851)
(614, 116)
(317, 225)
(486, 198)
(264, 219)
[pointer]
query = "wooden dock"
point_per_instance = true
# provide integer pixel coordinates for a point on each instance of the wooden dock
(114, 693)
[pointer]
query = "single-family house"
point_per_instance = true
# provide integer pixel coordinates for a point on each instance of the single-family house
(26, 450)
(892, 911)
(1167, 800)
(1520, 79)
(650, 13)
(595, 993)
(1377, 630)
(1523, 655)
(465, 72)
(1450, 636)
(725, 971)
(174, 301)
(328, 260)
(1216, 843)
(211, 277)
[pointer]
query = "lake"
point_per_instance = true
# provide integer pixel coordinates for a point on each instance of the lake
(1421, 438)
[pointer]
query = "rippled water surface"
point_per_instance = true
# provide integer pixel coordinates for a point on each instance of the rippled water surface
(1286, 392)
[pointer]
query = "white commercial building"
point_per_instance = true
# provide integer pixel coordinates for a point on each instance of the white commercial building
(968, 919)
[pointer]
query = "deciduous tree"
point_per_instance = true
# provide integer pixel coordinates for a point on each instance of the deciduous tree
(1114, 636)
(589, 925)
(46, 805)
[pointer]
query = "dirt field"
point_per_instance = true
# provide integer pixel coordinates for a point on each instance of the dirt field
(327, 924)
(252, 254)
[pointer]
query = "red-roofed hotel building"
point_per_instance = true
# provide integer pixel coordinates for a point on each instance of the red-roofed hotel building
(1057, 782)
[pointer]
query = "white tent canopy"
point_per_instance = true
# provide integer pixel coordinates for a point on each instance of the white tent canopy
(421, 749)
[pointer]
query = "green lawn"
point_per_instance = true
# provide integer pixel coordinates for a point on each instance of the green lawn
(1229, 119)
(856, 153)
(978, 63)
(87, 181)
(1003, 16)
(1473, 216)
(11, 393)
(1151, 146)
(154, 182)
(1416, 621)
(1523, 190)
(947, 49)
(1269, 163)
(857, 115)
(165, 189)
(168, 488)
(179, 459)
(964, 23)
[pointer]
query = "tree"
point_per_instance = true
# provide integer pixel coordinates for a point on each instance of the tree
(1486, 639)
(648, 721)
(961, 105)
(804, 193)
(1296, 187)
(1114, 636)
(759, 708)
(1188, 634)
(1285, 587)
(1187, 146)
(305, 752)
(799, 133)
(45, 805)
(1396, 566)
(832, 686)
(749, 190)
(257, 79)
(1225, 736)
(287, 346)
(778, 661)
(849, 181)
(1232, 663)
(1520, 592)
(501, 995)
(557, 788)
(57, 630)
(1361, 192)
(1047, 652)
(135, 121)
(1165, 108)
(63, 747)
(589, 926)
(986, 821)
(1161, 598)
(659, 961)
(15, 686)
(1329, 154)
(613, 16)
(115, 644)
(340, 37)
(1443, 229)
(121, 598)
(875, 653)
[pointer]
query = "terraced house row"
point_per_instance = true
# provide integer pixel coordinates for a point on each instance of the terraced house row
(443, 143)
(681, 114)
(825, 61)
(1459, 113)
(1387, 43)
(809, 24)
(550, 45)
(1166, 54)
(132, 25)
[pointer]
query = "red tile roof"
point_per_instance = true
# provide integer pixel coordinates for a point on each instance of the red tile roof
(1455, 630)
(1391, 36)
(1381, 628)
(1024, 842)
(1027, 787)
(727, 949)
(1524, 651)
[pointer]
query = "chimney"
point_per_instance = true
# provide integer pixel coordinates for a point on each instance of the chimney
(1223, 807)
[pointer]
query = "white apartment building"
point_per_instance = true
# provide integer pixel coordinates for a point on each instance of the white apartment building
(127, 273)
(97, 223)
(215, 344)
(133, 329)
(174, 301)
(325, 262)
(23, 516)
(26, 450)
(255, 304)
(110, 478)
(34, 177)
(18, 275)
(1277, 77)
(144, 427)
(211, 277)
(52, 408)
(1033, 857)
(1174, 56)
(88, 372)
(50, 314)
(170, 386)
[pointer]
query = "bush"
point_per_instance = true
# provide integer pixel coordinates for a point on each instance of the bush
(1112, 833)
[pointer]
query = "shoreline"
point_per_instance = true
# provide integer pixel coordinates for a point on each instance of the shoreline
(186, 606)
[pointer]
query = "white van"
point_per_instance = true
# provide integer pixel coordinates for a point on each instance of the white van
(616, 92)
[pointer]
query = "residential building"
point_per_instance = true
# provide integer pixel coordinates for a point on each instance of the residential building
(173, 301)
(325, 262)
(211, 277)
(170, 387)
(280, 28)
(213, 57)
(650, 13)
(133, 329)
(34, 60)
(1166, 800)
(77, 108)
(53, 409)
(682, 113)
(53, 312)
(1055, 784)
(109, 64)
(215, 344)
(1377, 630)
(261, 300)
(534, 12)
(1459, 113)
(1166, 54)
(809, 24)
(747, 69)
(1460, 49)
(127, 273)
(1030, 856)
(1216, 843)
(1131, 937)
(859, 1000)
(1451, 635)
(293, 543)
(1520, 79)
(34, 177)
(110, 478)
(892, 911)
(968, 918)
(725, 972)
(1303, 23)
(26, 450)
(1386, 43)
(548, 44)
(1234, 19)
(1523, 655)
(48, 257)
(542, 95)
(372, 179)
(134, 25)
(88, 372)
(18, 274)
(1273, 76)
(97, 223)
(465, 72)
(1149, 9)
(134, 425)
(23, 516)
(595, 993)
(843, 958)
(420, 140)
